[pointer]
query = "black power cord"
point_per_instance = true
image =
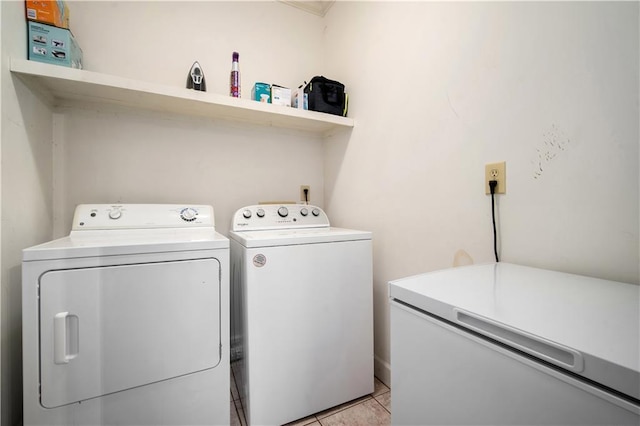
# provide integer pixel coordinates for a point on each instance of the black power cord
(306, 195)
(492, 187)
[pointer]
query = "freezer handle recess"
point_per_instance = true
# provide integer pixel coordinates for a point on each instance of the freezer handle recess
(65, 337)
(536, 346)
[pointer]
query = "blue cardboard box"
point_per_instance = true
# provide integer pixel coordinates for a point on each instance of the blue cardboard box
(261, 92)
(53, 45)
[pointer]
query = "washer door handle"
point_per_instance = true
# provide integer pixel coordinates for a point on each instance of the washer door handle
(65, 337)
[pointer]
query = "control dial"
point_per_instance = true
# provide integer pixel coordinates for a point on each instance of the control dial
(188, 214)
(260, 213)
(315, 212)
(115, 213)
(246, 214)
(283, 212)
(304, 211)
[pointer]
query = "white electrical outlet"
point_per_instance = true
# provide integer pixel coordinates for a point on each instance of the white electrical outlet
(497, 172)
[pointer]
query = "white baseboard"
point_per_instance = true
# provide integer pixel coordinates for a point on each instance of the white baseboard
(382, 370)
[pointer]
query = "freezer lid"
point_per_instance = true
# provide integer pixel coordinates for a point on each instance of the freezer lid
(585, 325)
(284, 237)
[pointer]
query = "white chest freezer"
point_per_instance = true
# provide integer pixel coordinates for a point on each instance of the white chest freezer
(508, 344)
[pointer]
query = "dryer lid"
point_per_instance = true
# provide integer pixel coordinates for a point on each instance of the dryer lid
(127, 241)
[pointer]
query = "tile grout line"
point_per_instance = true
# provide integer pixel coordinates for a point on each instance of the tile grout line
(385, 408)
(364, 399)
(316, 418)
(239, 413)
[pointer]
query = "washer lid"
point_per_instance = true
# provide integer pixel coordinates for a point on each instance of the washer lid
(287, 237)
(585, 325)
(127, 241)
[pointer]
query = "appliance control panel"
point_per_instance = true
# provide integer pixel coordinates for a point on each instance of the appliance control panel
(141, 216)
(279, 216)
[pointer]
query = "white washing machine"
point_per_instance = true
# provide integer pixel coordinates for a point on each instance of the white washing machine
(303, 302)
(126, 320)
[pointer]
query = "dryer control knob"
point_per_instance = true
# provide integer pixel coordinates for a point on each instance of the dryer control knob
(260, 213)
(304, 211)
(315, 212)
(283, 212)
(246, 214)
(115, 213)
(188, 214)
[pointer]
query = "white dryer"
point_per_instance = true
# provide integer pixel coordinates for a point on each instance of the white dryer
(126, 320)
(303, 312)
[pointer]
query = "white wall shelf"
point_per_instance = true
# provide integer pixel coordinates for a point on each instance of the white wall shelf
(60, 84)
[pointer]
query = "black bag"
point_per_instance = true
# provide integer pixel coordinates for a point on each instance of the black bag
(326, 95)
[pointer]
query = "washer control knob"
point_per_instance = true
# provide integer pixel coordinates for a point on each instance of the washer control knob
(260, 213)
(283, 212)
(115, 213)
(246, 214)
(188, 214)
(304, 211)
(315, 212)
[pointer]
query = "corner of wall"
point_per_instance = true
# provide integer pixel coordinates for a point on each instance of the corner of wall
(382, 370)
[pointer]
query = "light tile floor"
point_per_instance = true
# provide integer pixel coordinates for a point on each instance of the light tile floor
(370, 410)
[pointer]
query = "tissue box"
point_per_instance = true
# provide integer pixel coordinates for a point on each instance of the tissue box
(50, 12)
(261, 92)
(53, 45)
(280, 95)
(300, 99)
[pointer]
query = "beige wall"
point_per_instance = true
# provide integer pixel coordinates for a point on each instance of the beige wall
(438, 89)
(105, 154)
(1, 333)
(112, 156)
(26, 194)
(84, 153)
